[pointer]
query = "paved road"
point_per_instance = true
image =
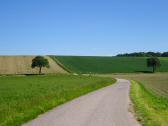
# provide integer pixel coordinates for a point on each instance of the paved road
(106, 107)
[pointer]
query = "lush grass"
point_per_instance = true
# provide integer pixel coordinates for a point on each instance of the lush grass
(151, 109)
(86, 64)
(24, 97)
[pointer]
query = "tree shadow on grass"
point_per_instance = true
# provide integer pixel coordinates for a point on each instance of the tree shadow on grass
(33, 74)
(144, 71)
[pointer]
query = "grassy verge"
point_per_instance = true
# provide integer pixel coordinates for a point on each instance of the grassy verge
(22, 98)
(151, 109)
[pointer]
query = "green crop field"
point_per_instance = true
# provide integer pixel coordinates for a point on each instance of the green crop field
(88, 64)
(149, 93)
(24, 97)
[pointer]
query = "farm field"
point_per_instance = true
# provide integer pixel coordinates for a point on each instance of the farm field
(92, 64)
(22, 65)
(149, 94)
(22, 98)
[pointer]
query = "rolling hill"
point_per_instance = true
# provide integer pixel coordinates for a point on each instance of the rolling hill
(94, 64)
(22, 65)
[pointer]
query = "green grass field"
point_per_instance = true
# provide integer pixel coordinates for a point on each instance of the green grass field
(149, 94)
(22, 98)
(86, 64)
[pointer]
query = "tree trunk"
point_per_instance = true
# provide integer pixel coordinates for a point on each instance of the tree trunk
(40, 70)
(154, 68)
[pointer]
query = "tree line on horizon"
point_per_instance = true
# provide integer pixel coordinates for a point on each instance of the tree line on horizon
(144, 54)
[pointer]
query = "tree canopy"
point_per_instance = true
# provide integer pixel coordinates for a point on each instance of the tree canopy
(153, 62)
(40, 61)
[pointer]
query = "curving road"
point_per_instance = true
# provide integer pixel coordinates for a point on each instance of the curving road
(106, 107)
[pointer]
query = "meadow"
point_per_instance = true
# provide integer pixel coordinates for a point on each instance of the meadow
(22, 98)
(100, 65)
(149, 93)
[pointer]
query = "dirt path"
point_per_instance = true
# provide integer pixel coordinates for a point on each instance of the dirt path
(106, 107)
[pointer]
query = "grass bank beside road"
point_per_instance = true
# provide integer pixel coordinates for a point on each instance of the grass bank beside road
(151, 109)
(22, 98)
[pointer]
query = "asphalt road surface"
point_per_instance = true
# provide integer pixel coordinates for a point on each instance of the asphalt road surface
(106, 107)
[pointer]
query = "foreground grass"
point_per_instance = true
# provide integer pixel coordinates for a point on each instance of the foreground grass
(151, 109)
(23, 98)
(100, 65)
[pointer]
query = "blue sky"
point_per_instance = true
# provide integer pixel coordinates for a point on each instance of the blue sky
(82, 27)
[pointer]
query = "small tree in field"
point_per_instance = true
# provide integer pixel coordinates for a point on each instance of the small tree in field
(40, 62)
(153, 62)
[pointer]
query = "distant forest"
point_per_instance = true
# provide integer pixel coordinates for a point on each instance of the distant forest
(144, 54)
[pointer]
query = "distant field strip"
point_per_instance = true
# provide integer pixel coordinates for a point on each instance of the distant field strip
(22, 65)
(88, 64)
(22, 98)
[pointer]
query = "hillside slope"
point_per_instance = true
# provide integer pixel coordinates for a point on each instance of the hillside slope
(92, 64)
(22, 65)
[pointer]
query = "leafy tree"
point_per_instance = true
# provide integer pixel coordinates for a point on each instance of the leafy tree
(154, 54)
(153, 62)
(165, 54)
(40, 62)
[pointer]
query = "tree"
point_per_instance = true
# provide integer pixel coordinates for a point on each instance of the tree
(40, 62)
(165, 54)
(153, 62)
(154, 54)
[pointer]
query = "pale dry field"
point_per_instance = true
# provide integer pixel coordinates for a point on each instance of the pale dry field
(22, 65)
